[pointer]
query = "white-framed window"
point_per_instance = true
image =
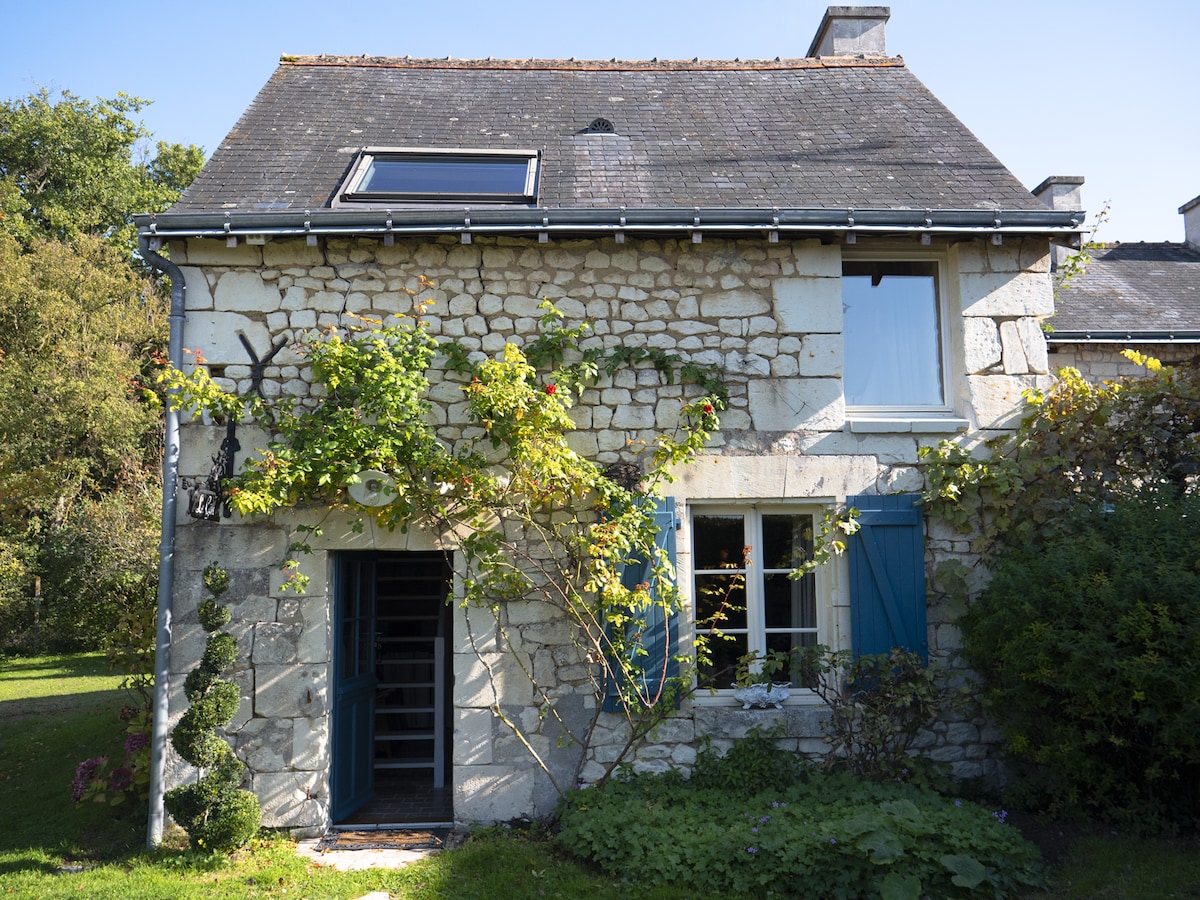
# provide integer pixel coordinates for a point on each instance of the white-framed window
(432, 175)
(743, 596)
(895, 350)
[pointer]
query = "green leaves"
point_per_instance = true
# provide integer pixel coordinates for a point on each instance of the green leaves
(1089, 644)
(821, 836)
(492, 469)
(1078, 445)
(74, 167)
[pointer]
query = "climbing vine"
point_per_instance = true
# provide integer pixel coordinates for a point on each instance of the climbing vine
(531, 519)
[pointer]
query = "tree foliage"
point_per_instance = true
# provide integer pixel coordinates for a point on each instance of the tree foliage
(1078, 444)
(72, 167)
(79, 438)
(1089, 645)
(80, 425)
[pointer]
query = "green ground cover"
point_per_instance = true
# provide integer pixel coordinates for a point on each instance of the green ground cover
(58, 710)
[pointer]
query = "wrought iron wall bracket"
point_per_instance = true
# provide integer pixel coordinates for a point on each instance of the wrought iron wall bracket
(207, 498)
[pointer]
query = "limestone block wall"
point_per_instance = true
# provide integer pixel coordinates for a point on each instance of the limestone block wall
(1100, 362)
(769, 315)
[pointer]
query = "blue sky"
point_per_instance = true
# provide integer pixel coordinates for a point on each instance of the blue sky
(1108, 90)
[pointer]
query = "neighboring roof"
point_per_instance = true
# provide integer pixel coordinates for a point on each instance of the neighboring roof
(1142, 292)
(826, 134)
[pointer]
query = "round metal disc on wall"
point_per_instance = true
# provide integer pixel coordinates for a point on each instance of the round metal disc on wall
(373, 489)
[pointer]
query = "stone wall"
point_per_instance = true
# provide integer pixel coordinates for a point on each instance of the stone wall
(768, 314)
(1101, 362)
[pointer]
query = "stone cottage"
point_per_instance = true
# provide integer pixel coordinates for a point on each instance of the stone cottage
(1142, 296)
(868, 276)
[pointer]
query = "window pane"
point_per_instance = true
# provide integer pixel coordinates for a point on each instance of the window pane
(890, 331)
(718, 542)
(789, 603)
(720, 602)
(785, 541)
(725, 655)
(446, 175)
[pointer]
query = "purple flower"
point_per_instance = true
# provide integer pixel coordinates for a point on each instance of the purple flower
(958, 803)
(1000, 815)
(122, 779)
(751, 849)
(137, 741)
(833, 840)
(754, 830)
(764, 820)
(84, 773)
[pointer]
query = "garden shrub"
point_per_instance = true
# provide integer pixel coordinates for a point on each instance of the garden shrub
(753, 764)
(829, 835)
(215, 813)
(1089, 643)
(879, 703)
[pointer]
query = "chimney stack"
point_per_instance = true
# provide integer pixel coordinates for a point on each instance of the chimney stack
(851, 31)
(1061, 192)
(1191, 222)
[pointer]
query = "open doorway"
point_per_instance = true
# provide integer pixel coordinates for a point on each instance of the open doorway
(392, 690)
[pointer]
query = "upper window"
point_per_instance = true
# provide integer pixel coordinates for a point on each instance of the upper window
(405, 175)
(742, 587)
(892, 335)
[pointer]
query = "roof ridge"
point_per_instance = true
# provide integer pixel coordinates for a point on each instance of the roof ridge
(616, 65)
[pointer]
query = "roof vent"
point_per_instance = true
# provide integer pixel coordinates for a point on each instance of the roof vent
(851, 31)
(601, 126)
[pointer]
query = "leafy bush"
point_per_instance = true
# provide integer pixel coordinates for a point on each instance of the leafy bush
(879, 704)
(1089, 644)
(754, 764)
(830, 835)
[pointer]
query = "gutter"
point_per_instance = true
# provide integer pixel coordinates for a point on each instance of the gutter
(166, 550)
(1119, 337)
(1065, 225)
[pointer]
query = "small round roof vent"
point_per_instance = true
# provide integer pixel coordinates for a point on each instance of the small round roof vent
(601, 126)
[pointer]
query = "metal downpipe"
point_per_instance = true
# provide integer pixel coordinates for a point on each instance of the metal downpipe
(166, 550)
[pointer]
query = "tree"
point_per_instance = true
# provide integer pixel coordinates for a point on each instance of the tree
(73, 167)
(80, 321)
(79, 435)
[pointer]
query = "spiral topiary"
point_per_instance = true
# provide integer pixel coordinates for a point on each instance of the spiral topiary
(214, 811)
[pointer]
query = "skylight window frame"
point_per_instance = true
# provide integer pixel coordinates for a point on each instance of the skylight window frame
(350, 192)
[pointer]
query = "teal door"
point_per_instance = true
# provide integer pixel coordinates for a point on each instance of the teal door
(352, 775)
(392, 697)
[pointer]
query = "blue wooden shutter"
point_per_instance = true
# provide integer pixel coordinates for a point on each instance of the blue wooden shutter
(658, 636)
(887, 575)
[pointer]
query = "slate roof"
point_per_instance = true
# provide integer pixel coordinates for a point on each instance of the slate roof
(1144, 291)
(828, 132)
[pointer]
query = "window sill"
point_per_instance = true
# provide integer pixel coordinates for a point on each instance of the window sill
(906, 425)
(726, 700)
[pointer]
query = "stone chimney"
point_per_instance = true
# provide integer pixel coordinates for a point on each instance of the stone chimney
(1191, 222)
(1061, 192)
(851, 31)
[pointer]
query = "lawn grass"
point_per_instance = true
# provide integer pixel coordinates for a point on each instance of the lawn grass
(58, 710)
(1120, 868)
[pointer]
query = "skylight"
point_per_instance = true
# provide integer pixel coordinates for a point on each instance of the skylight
(421, 175)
